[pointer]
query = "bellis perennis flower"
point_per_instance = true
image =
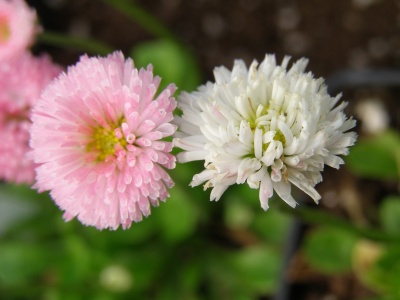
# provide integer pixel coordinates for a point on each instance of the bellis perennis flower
(97, 134)
(22, 79)
(18, 26)
(268, 125)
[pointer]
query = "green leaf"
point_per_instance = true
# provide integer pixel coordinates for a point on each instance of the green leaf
(377, 157)
(178, 218)
(272, 225)
(76, 260)
(136, 13)
(237, 214)
(172, 62)
(383, 297)
(257, 268)
(329, 250)
(85, 45)
(20, 262)
(384, 273)
(365, 255)
(247, 273)
(244, 194)
(137, 234)
(390, 214)
(183, 281)
(243, 210)
(17, 203)
(145, 264)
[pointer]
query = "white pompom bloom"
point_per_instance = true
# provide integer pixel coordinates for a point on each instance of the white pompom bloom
(268, 125)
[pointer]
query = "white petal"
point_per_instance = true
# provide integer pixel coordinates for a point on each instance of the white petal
(243, 107)
(187, 144)
(269, 154)
(279, 150)
(276, 175)
(266, 191)
(333, 161)
(268, 136)
(183, 157)
(305, 187)
(217, 192)
(245, 133)
(202, 177)
(278, 94)
(239, 69)
(278, 164)
(346, 140)
(247, 167)
(283, 189)
(222, 75)
(292, 160)
(348, 124)
(236, 148)
(254, 179)
(258, 143)
(286, 132)
(292, 147)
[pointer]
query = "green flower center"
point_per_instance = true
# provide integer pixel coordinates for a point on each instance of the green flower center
(263, 119)
(280, 137)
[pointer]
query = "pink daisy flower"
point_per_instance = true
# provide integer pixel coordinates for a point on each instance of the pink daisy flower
(97, 133)
(21, 82)
(18, 26)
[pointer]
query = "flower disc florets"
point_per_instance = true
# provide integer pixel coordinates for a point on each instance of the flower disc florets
(98, 136)
(268, 125)
(18, 27)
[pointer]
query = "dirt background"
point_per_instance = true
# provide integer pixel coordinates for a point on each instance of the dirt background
(334, 34)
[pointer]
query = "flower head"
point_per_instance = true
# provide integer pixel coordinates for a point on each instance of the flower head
(268, 125)
(97, 134)
(21, 82)
(18, 26)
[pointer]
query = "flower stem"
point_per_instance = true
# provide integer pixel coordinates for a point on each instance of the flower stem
(82, 44)
(143, 18)
(322, 218)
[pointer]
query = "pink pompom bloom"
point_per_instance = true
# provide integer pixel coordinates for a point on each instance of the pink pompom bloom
(18, 26)
(97, 134)
(21, 82)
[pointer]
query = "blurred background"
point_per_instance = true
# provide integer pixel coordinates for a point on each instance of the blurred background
(332, 34)
(190, 248)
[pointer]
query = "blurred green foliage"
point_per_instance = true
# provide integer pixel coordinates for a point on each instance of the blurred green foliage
(189, 248)
(331, 250)
(384, 274)
(377, 157)
(171, 61)
(335, 251)
(390, 214)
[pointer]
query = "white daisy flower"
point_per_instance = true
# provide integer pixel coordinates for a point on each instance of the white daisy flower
(268, 125)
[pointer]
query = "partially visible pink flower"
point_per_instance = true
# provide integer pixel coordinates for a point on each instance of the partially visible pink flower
(18, 26)
(97, 133)
(21, 81)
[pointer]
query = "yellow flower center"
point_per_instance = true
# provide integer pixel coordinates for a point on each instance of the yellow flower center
(5, 31)
(104, 141)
